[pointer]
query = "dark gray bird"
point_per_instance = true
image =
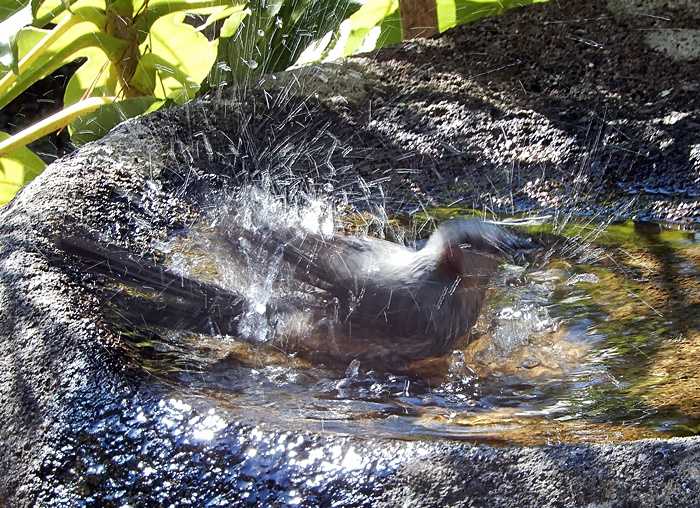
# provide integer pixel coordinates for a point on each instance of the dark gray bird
(366, 298)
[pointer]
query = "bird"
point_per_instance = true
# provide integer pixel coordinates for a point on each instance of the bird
(364, 298)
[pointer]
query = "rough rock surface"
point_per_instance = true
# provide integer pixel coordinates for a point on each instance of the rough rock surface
(560, 105)
(567, 106)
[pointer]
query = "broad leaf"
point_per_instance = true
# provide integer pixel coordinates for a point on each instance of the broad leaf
(230, 26)
(55, 11)
(306, 20)
(9, 28)
(242, 44)
(451, 13)
(27, 38)
(97, 77)
(8, 8)
(173, 67)
(154, 10)
(222, 12)
(376, 24)
(84, 35)
(16, 170)
(220, 73)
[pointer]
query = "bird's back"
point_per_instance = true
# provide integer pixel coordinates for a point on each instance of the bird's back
(363, 298)
(392, 300)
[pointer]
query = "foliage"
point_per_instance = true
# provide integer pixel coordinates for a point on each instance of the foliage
(451, 13)
(16, 169)
(273, 35)
(139, 55)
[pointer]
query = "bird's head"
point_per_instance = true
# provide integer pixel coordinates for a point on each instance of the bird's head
(472, 248)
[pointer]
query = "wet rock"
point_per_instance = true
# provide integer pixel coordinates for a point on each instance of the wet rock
(553, 106)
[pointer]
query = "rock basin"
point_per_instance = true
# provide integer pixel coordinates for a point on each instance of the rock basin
(82, 426)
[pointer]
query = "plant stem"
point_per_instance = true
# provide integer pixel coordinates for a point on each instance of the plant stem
(53, 123)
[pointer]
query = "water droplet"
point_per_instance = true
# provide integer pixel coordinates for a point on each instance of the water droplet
(590, 278)
(353, 369)
(251, 63)
(261, 32)
(352, 460)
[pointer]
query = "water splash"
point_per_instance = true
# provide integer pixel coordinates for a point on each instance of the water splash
(515, 325)
(546, 346)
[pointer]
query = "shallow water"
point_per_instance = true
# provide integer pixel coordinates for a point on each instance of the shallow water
(596, 341)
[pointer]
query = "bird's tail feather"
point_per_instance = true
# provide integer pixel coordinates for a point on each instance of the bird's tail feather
(163, 297)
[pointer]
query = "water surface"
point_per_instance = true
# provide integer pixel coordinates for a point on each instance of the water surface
(597, 339)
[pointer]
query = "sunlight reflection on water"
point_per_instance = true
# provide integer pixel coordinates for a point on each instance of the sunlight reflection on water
(554, 342)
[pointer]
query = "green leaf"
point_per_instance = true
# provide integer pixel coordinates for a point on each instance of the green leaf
(222, 12)
(96, 125)
(220, 73)
(55, 11)
(10, 7)
(173, 66)
(304, 21)
(451, 13)
(230, 26)
(9, 28)
(273, 36)
(377, 23)
(78, 38)
(243, 44)
(446, 14)
(157, 9)
(158, 77)
(16, 170)
(391, 31)
(27, 38)
(97, 77)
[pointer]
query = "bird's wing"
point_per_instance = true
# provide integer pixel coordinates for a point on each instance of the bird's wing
(337, 264)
